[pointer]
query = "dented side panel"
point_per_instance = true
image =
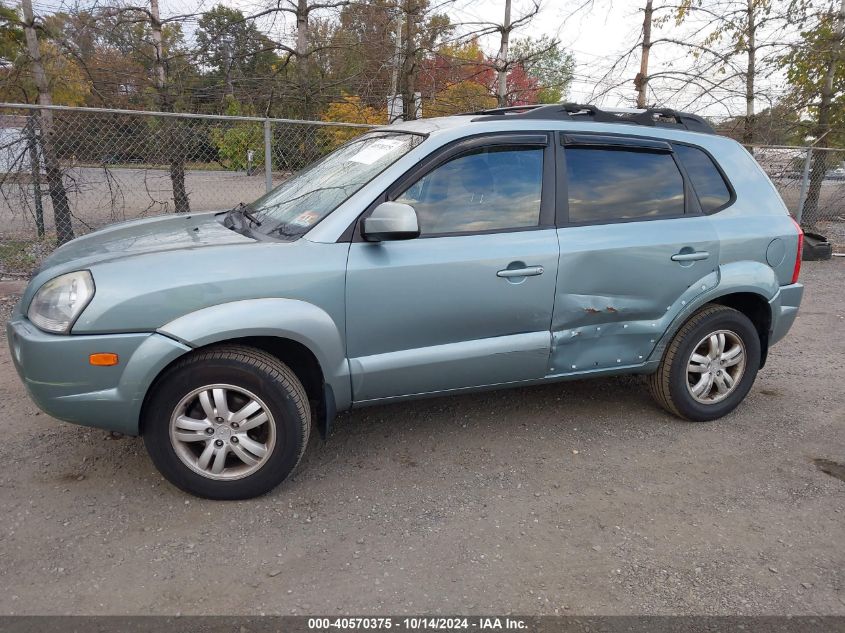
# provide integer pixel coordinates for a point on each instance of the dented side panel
(618, 289)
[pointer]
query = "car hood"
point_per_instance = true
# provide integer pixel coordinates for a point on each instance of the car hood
(150, 235)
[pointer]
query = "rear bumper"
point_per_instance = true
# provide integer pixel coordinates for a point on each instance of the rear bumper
(784, 310)
(60, 380)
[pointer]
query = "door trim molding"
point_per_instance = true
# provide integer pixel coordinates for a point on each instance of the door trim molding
(374, 374)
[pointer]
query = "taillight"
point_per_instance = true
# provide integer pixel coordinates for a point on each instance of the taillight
(797, 270)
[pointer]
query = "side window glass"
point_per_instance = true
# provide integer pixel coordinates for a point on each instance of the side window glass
(607, 184)
(485, 189)
(709, 186)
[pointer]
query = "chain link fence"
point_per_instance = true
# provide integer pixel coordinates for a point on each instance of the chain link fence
(66, 171)
(811, 182)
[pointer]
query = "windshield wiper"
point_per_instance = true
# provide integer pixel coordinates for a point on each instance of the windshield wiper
(243, 209)
(281, 230)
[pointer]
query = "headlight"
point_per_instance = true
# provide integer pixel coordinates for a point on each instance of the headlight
(60, 301)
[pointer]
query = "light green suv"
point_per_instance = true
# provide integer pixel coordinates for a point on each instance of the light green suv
(503, 248)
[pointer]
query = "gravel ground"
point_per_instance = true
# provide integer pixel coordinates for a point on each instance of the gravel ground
(576, 498)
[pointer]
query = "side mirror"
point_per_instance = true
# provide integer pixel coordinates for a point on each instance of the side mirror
(391, 221)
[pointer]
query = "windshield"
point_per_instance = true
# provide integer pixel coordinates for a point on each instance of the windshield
(296, 205)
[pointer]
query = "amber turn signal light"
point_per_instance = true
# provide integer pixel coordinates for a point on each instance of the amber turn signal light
(103, 359)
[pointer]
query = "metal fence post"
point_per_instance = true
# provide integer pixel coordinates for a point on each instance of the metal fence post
(805, 183)
(35, 168)
(268, 156)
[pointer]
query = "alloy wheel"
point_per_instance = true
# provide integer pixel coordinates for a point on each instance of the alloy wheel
(716, 366)
(222, 432)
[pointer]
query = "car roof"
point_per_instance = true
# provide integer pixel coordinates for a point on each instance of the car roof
(562, 116)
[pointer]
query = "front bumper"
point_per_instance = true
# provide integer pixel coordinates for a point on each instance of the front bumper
(784, 310)
(56, 372)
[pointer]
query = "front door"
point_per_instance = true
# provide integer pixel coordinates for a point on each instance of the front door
(469, 302)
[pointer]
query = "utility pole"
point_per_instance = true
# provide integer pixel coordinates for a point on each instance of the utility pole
(58, 194)
(641, 80)
(503, 57)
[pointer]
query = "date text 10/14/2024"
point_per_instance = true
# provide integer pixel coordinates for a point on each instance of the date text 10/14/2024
(480, 623)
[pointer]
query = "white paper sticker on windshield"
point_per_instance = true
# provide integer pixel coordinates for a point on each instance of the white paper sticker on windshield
(376, 150)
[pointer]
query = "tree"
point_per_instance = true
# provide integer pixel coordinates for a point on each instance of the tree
(159, 46)
(424, 30)
(504, 62)
(361, 50)
(362, 55)
(11, 35)
(113, 48)
(733, 47)
(502, 58)
(235, 141)
(65, 79)
(777, 125)
(521, 88)
(464, 96)
(234, 51)
(548, 63)
(815, 70)
(452, 64)
(58, 194)
(641, 80)
(350, 109)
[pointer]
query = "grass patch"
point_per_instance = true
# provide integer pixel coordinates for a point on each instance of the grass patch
(23, 255)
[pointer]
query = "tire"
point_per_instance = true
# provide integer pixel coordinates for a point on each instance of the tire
(230, 399)
(679, 374)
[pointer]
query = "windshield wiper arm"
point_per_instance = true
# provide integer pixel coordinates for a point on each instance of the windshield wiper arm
(243, 209)
(249, 216)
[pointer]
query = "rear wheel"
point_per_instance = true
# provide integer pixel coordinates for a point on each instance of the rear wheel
(229, 422)
(709, 366)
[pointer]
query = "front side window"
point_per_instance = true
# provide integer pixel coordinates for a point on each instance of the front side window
(298, 204)
(709, 186)
(608, 184)
(486, 189)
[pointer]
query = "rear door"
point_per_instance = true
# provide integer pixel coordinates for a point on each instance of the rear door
(469, 302)
(635, 249)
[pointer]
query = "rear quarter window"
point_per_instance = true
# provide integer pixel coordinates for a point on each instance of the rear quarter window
(706, 179)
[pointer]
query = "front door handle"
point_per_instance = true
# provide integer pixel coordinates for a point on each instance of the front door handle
(694, 256)
(530, 271)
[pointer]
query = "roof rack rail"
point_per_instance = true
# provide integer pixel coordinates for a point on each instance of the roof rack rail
(654, 117)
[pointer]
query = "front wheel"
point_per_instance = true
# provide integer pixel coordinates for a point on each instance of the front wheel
(228, 422)
(709, 366)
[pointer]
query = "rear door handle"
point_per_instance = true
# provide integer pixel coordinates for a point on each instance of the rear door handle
(530, 271)
(690, 257)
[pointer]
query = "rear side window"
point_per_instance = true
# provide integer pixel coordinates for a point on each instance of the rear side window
(608, 184)
(709, 186)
